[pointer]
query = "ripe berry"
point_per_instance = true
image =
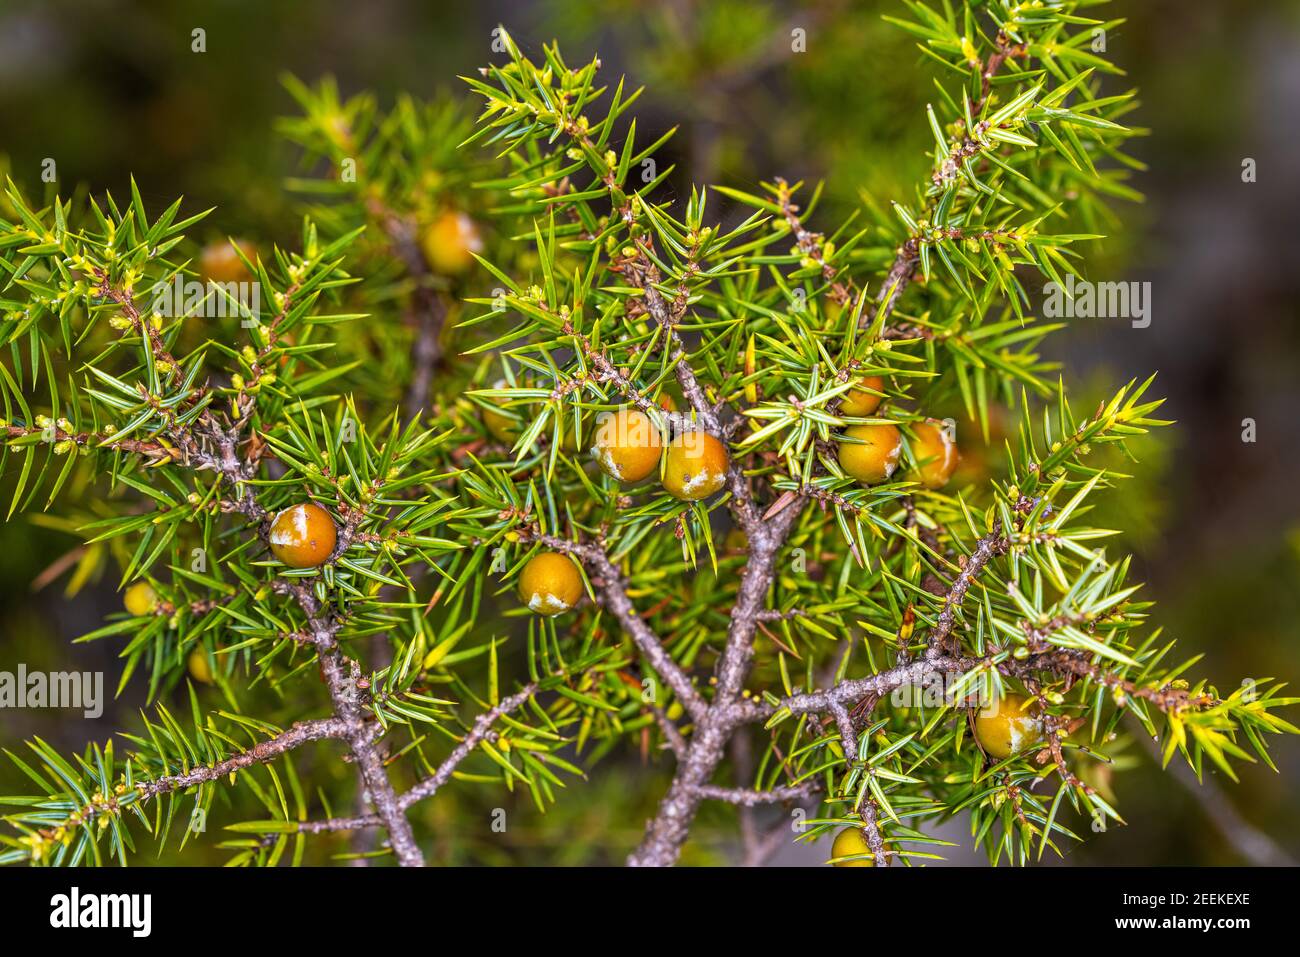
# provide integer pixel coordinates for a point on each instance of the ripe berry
(851, 842)
(550, 584)
(448, 242)
(198, 666)
(1008, 726)
(695, 466)
(858, 401)
(627, 445)
(873, 458)
(936, 454)
(140, 599)
(218, 262)
(303, 536)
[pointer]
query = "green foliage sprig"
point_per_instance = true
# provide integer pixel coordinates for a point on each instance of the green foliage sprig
(812, 641)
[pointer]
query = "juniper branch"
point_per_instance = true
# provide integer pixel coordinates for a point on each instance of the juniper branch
(298, 734)
(613, 590)
(748, 798)
(361, 735)
(671, 732)
(986, 549)
(668, 831)
(481, 731)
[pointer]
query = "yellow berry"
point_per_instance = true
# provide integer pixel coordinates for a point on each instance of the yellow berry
(303, 536)
(862, 400)
(140, 599)
(851, 842)
(936, 455)
(695, 466)
(198, 666)
(502, 427)
(735, 541)
(218, 262)
(449, 241)
(568, 435)
(550, 584)
(874, 457)
(627, 445)
(1008, 726)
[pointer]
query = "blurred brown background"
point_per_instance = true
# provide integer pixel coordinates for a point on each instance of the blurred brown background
(106, 89)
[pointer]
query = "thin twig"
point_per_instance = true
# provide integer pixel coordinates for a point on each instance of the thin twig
(985, 549)
(747, 798)
(480, 732)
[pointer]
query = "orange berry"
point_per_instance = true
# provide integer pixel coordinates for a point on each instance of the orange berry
(858, 401)
(449, 241)
(218, 262)
(935, 453)
(303, 536)
(851, 842)
(695, 466)
(1008, 726)
(667, 402)
(550, 584)
(140, 599)
(627, 445)
(875, 456)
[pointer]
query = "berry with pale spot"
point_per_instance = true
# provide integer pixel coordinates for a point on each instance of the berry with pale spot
(627, 445)
(1008, 726)
(936, 455)
(695, 466)
(550, 584)
(303, 536)
(874, 456)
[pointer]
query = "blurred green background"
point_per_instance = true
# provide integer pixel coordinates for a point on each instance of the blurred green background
(106, 89)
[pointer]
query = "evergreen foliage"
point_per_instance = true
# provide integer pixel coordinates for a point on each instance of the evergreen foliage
(795, 639)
